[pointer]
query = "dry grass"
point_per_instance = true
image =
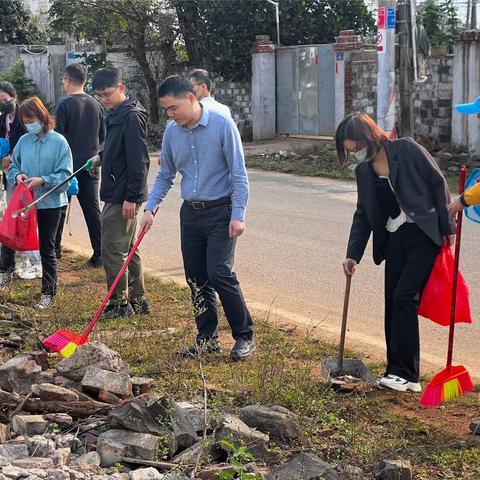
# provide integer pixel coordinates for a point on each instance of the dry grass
(360, 428)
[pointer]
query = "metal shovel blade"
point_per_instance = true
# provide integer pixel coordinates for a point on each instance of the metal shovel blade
(352, 371)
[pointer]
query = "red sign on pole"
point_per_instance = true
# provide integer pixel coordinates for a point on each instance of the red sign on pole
(381, 41)
(382, 17)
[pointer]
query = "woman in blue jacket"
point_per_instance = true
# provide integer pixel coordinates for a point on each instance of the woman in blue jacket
(41, 160)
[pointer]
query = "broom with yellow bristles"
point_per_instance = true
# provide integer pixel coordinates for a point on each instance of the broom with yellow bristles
(452, 381)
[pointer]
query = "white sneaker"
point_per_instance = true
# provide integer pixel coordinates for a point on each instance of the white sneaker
(29, 272)
(46, 301)
(38, 270)
(398, 383)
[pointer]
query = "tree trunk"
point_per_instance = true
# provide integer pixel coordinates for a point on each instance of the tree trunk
(140, 54)
(168, 55)
(187, 18)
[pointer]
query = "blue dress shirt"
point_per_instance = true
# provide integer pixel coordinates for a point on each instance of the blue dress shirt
(210, 159)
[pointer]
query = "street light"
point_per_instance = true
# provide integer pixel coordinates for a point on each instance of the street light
(277, 17)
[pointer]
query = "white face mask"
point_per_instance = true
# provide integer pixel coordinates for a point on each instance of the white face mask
(361, 155)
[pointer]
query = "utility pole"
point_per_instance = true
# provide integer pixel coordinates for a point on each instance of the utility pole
(473, 17)
(386, 88)
(407, 128)
(277, 20)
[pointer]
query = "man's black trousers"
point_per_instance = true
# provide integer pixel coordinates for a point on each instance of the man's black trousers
(409, 260)
(208, 254)
(90, 205)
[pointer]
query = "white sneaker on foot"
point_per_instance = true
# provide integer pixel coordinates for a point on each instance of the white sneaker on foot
(38, 270)
(398, 383)
(29, 272)
(46, 301)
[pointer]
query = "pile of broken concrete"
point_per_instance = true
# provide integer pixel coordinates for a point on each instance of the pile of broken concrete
(90, 418)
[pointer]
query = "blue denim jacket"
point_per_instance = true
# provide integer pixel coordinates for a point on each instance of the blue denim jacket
(48, 157)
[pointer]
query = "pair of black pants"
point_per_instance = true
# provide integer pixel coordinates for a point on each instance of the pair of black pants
(208, 254)
(90, 205)
(7, 259)
(410, 255)
(61, 226)
(48, 222)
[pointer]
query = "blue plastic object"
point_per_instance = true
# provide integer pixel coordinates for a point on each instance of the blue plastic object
(473, 212)
(469, 108)
(73, 188)
(4, 147)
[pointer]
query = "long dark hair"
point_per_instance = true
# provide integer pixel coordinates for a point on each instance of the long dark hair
(360, 128)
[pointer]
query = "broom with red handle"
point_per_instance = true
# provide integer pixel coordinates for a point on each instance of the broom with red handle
(452, 381)
(65, 341)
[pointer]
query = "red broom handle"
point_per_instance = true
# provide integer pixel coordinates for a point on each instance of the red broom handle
(463, 174)
(115, 282)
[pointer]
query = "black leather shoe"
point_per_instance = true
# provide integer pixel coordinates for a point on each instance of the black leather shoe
(95, 262)
(117, 311)
(243, 348)
(201, 347)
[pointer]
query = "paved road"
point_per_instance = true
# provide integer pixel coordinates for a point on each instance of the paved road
(288, 263)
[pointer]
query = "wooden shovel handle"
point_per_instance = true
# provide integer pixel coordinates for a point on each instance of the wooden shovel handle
(346, 299)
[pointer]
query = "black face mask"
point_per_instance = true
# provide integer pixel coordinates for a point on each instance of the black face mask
(7, 107)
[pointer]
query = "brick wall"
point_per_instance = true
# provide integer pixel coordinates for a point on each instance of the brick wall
(433, 99)
(236, 95)
(433, 102)
(363, 82)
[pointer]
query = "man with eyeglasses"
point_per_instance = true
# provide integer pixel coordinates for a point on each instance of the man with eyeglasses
(79, 118)
(123, 188)
(202, 86)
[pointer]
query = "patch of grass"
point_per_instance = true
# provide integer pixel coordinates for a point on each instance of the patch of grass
(320, 161)
(359, 429)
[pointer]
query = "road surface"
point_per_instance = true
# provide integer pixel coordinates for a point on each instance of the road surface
(289, 264)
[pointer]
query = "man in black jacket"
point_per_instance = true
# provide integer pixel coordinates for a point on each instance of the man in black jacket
(79, 118)
(123, 188)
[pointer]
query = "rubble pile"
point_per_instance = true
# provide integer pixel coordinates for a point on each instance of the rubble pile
(89, 418)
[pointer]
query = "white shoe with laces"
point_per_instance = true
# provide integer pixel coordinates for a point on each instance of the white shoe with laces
(398, 383)
(46, 301)
(27, 272)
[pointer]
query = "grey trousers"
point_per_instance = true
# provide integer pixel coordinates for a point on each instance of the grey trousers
(118, 237)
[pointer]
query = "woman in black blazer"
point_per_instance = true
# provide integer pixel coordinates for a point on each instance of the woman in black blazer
(402, 199)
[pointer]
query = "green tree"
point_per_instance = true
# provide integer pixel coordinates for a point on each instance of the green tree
(218, 34)
(16, 76)
(17, 26)
(440, 20)
(141, 24)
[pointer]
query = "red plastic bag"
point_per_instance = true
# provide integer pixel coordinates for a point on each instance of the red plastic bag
(436, 298)
(20, 233)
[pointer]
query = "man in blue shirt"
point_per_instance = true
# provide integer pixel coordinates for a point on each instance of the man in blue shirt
(204, 146)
